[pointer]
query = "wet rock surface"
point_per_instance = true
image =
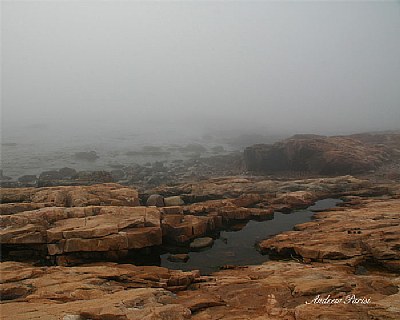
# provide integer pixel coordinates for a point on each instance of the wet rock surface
(179, 257)
(200, 243)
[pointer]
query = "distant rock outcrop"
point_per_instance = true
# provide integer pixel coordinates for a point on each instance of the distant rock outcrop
(317, 154)
(86, 155)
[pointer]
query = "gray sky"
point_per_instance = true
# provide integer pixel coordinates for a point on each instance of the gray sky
(282, 67)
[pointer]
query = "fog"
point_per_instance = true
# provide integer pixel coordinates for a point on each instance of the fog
(200, 67)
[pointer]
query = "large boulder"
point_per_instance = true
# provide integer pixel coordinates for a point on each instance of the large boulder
(321, 155)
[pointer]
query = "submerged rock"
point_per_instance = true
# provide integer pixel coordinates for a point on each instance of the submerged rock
(179, 257)
(200, 243)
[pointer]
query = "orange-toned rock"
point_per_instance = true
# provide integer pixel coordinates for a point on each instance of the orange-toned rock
(251, 191)
(335, 251)
(350, 235)
(273, 290)
(182, 228)
(280, 290)
(229, 213)
(74, 196)
(89, 229)
(94, 291)
(11, 208)
(296, 199)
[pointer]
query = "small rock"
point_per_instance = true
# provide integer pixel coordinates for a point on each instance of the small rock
(180, 257)
(201, 243)
(73, 317)
(173, 201)
(50, 175)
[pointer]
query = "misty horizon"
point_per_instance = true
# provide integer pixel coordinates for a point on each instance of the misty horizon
(200, 67)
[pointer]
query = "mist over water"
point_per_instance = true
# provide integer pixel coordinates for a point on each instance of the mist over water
(113, 76)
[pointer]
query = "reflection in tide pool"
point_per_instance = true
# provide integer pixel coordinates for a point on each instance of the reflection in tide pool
(238, 247)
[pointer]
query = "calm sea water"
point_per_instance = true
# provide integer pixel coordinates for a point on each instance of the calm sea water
(34, 149)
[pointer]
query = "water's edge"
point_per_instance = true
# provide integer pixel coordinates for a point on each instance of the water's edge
(238, 247)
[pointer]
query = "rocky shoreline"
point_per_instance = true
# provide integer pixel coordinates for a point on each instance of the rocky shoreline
(353, 249)
(65, 247)
(107, 220)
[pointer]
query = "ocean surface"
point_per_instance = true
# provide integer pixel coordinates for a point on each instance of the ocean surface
(34, 149)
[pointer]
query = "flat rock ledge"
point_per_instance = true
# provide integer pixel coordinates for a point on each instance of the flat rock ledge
(273, 290)
(68, 224)
(368, 234)
(350, 254)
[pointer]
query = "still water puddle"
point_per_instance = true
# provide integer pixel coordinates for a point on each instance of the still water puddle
(238, 247)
